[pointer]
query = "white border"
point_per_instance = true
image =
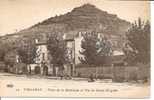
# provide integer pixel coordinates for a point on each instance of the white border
(152, 49)
(152, 69)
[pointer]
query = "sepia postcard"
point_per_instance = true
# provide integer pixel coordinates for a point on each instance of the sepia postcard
(75, 48)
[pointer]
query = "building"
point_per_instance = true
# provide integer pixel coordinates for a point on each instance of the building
(73, 43)
(42, 59)
(73, 40)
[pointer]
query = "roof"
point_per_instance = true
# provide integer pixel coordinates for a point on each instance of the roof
(69, 37)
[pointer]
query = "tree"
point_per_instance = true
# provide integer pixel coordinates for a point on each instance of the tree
(57, 50)
(5, 48)
(137, 47)
(2, 51)
(8, 52)
(27, 51)
(94, 49)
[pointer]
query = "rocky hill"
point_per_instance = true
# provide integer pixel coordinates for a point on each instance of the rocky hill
(84, 18)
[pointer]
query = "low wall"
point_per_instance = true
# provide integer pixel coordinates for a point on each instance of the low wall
(101, 72)
(2, 66)
(117, 73)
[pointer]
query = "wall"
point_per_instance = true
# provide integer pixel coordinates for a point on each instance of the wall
(121, 73)
(2, 66)
(105, 72)
(42, 51)
(77, 49)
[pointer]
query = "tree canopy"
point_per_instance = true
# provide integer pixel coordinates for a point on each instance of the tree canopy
(5, 49)
(57, 49)
(95, 49)
(27, 51)
(137, 48)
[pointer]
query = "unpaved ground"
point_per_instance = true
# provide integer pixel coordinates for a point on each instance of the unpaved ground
(22, 85)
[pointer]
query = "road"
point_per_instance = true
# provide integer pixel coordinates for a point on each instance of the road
(22, 85)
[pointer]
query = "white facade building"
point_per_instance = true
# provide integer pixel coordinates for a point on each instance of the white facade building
(74, 48)
(78, 48)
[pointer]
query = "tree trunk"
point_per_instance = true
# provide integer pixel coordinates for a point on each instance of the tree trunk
(29, 69)
(25, 70)
(54, 70)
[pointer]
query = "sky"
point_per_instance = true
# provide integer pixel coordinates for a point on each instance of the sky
(16, 15)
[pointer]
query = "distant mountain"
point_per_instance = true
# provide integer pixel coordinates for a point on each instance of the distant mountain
(84, 18)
